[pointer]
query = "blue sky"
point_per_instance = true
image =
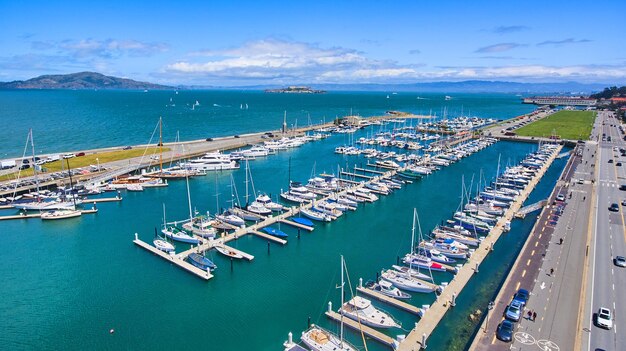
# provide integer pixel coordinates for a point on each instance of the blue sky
(288, 42)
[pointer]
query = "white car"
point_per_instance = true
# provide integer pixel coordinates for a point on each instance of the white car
(604, 319)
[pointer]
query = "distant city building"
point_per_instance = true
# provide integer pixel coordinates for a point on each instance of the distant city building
(295, 90)
(560, 101)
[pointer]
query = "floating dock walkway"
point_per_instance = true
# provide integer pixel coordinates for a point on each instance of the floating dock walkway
(206, 275)
(416, 339)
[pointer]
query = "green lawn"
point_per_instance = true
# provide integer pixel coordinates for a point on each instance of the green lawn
(90, 159)
(571, 125)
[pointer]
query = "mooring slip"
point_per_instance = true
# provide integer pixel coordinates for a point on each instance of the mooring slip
(297, 225)
(206, 275)
(370, 332)
(20, 216)
(269, 237)
(104, 199)
(390, 300)
(438, 309)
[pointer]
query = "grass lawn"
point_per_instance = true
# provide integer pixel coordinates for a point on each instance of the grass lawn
(571, 125)
(90, 159)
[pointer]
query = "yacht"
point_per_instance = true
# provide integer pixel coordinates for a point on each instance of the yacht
(361, 309)
(212, 161)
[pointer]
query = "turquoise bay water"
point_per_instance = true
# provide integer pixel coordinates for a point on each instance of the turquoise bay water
(65, 120)
(66, 284)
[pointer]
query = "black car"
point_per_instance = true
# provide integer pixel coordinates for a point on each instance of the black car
(209, 139)
(505, 330)
(128, 147)
(614, 207)
(619, 164)
(236, 136)
(611, 161)
(622, 187)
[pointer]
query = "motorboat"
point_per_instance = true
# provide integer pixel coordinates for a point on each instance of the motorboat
(259, 208)
(202, 226)
(267, 203)
(407, 282)
(361, 309)
(212, 161)
(386, 288)
(231, 219)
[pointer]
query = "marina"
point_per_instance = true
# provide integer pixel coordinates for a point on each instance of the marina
(253, 244)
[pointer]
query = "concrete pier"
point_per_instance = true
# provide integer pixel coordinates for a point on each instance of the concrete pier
(390, 300)
(359, 327)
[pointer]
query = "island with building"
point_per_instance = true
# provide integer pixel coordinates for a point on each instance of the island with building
(295, 90)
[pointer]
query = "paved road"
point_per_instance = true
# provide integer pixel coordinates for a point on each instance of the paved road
(606, 280)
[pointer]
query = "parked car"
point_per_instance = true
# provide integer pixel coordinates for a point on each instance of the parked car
(128, 147)
(522, 296)
(505, 330)
(622, 187)
(618, 164)
(560, 197)
(611, 161)
(80, 154)
(614, 207)
(70, 155)
(514, 311)
(604, 318)
(620, 261)
(209, 139)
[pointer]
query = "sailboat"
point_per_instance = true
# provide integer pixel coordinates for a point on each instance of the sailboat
(201, 262)
(197, 225)
(255, 207)
(175, 172)
(227, 251)
(320, 339)
(404, 280)
(176, 234)
(67, 212)
(161, 243)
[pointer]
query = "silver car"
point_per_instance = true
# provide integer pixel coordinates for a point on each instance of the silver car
(620, 261)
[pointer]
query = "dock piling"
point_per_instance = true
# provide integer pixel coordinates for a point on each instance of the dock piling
(476, 268)
(268, 247)
(424, 346)
(453, 302)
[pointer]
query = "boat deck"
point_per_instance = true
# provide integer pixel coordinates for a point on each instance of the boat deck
(370, 332)
(390, 300)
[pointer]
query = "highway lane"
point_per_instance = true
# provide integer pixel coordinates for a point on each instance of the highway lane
(609, 239)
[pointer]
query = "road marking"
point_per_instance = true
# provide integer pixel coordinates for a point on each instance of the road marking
(528, 263)
(536, 243)
(493, 339)
(533, 252)
(539, 236)
(523, 273)
(517, 286)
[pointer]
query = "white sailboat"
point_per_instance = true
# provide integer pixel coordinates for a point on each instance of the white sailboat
(361, 309)
(320, 339)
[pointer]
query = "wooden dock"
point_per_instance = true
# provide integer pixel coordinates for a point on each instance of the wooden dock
(368, 170)
(438, 309)
(354, 175)
(102, 199)
(391, 301)
(370, 332)
(20, 216)
(206, 275)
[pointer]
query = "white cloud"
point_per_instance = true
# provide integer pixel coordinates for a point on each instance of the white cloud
(279, 62)
(108, 48)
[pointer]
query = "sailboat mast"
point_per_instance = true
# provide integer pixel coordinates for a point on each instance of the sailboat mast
(247, 180)
(189, 197)
(32, 144)
(69, 171)
(342, 284)
(161, 143)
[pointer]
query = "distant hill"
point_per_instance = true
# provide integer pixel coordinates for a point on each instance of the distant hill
(81, 80)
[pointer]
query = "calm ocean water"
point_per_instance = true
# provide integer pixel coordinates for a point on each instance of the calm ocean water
(67, 284)
(65, 120)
